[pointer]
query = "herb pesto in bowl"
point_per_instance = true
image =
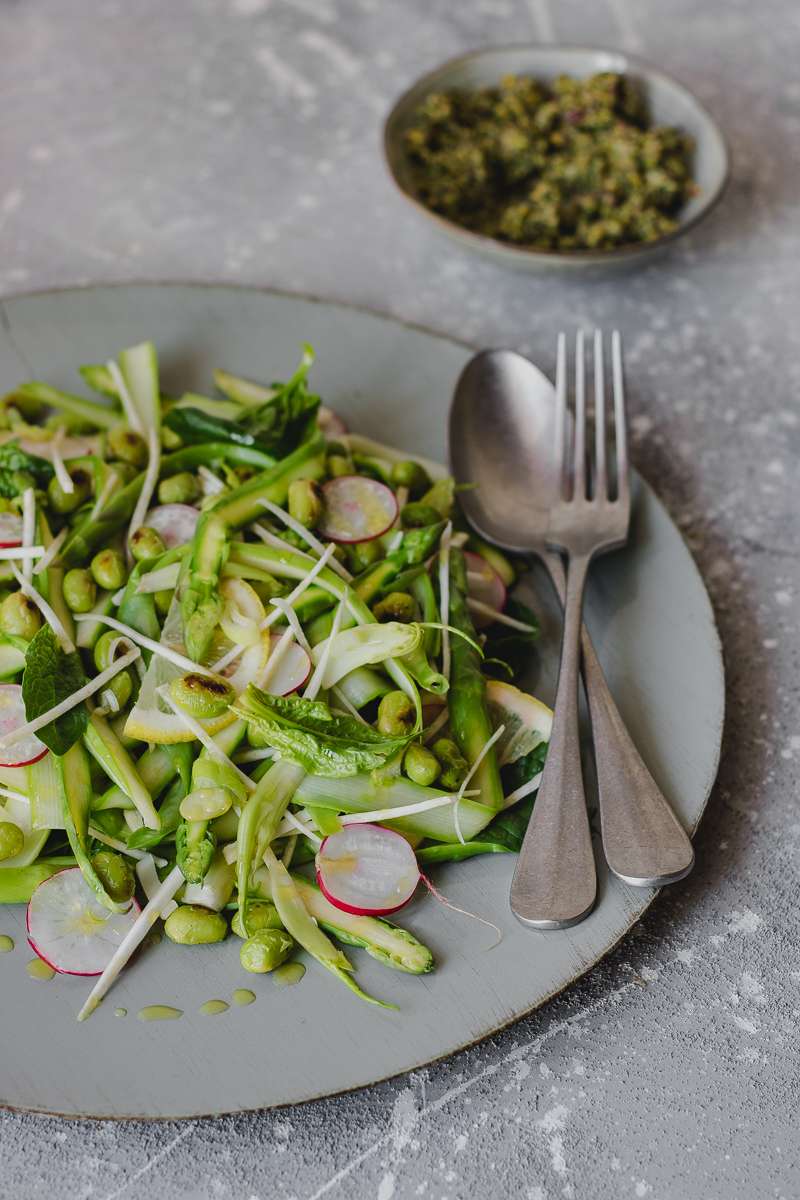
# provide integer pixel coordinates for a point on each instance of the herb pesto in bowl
(555, 155)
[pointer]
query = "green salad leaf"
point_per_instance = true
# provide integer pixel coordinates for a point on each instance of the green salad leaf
(50, 676)
(507, 651)
(308, 733)
(15, 465)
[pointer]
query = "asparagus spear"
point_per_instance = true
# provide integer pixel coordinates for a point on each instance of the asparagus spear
(201, 604)
(469, 718)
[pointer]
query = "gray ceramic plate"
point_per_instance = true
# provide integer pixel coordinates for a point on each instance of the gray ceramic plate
(655, 633)
(670, 104)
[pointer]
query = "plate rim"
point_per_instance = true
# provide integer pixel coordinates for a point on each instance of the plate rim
(651, 894)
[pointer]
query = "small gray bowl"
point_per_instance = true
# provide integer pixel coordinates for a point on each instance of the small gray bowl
(670, 104)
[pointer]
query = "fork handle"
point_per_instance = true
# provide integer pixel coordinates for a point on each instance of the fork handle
(555, 883)
(644, 843)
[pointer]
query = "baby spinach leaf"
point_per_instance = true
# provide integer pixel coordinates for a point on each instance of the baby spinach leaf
(50, 676)
(307, 732)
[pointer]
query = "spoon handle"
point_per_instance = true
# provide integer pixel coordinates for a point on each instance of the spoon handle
(644, 843)
(555, 882)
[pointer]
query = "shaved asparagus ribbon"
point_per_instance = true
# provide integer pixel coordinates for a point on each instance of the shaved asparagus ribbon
(204, 737)
(306, 535)
(136, 935)
(444, 595)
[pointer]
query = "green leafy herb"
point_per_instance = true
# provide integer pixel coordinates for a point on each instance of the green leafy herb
(52, 675)
(507, 651)
(522, 770)
(456, 852)
(308, 733)
(19, 470)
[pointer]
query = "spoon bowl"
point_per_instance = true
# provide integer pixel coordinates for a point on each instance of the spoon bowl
(502, 438)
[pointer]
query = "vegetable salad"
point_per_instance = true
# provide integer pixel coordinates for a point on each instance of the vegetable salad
(256, 676)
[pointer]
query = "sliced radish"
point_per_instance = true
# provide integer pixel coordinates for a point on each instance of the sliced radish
(357, 509)
(10, 530)
(331, 424)
(69, 928)
(484, 584)
(292, 671)
(175, 522)
(12, 716)
(367, 870)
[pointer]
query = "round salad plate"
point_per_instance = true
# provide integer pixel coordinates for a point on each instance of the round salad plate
(655, 633)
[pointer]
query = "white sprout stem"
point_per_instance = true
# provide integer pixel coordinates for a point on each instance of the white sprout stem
(271, 539)
(523, 790)
(148, 877)
(110, 703)
(26, 554)
(296, 823)
(402, 810)
(95, 685)
(462, 790)
(132, 415)
(438, 723)
(148, 486)
(134, 937)
(204, 737)
(51, 552)
(123, 848)
(306, 535)
(158, 581)
(293, 621)
(276, 657)
(252, 756)
(401, 496)
(173, 656)
(47, 612)
(351, 708)
(444, 595)
(486, 610)
(104, 495)
(212, 484)
(10, 794)
(63, 476)
(28, 529)
(270, 620)
(315, 683)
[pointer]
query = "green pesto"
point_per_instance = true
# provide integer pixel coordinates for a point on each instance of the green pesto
(576, 165)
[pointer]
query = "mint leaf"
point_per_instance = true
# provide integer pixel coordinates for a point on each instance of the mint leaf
(50, 676)
(308, 733)
(15, 465)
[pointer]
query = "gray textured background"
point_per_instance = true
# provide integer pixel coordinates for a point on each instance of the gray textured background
(239, 140)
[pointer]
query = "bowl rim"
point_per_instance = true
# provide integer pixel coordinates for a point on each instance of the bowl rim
(494, 246)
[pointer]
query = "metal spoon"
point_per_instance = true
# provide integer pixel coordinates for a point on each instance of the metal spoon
(502, 437)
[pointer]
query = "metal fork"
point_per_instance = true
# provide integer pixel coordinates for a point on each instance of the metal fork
(555, 883)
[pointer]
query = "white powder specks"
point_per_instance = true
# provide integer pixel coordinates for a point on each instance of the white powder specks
(752, 988)
(745, 1024)
(551, 1124)
(685, 956)
(250, 8)
(339, 56)
(744, 922)
(286, 79)
(783, 598)
(386, 1187)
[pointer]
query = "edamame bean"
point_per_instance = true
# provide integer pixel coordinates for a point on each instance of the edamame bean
(416, 515)
(182, 488)
(260, 915)
(108, 569)
(19, 616)
(411, 475)
(453, 763)
(191, 925)
(204, 804)
(67, 502)
(80, 590)
(12, 839)
(146, 543)
(128, 446)
(420, 765)
(397, 606)
(396, 714)
(266, 950)
(115, 873)
(202, 695)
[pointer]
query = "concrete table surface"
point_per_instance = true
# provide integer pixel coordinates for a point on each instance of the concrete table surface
(238, 140)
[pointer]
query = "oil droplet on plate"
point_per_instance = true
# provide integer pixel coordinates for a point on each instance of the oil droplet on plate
(159, 1012)
(288, 974)
(120, 1012)
(37, 968)
(6, 943)
(212, 1007)
(242, 996)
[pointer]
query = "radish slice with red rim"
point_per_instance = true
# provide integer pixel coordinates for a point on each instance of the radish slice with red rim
(367, 870)
(485, 585)
(12, 715)
(291, 672)
(356, 509)
(70, 929)
(175, 522)
(330, 423)
(10, 530)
